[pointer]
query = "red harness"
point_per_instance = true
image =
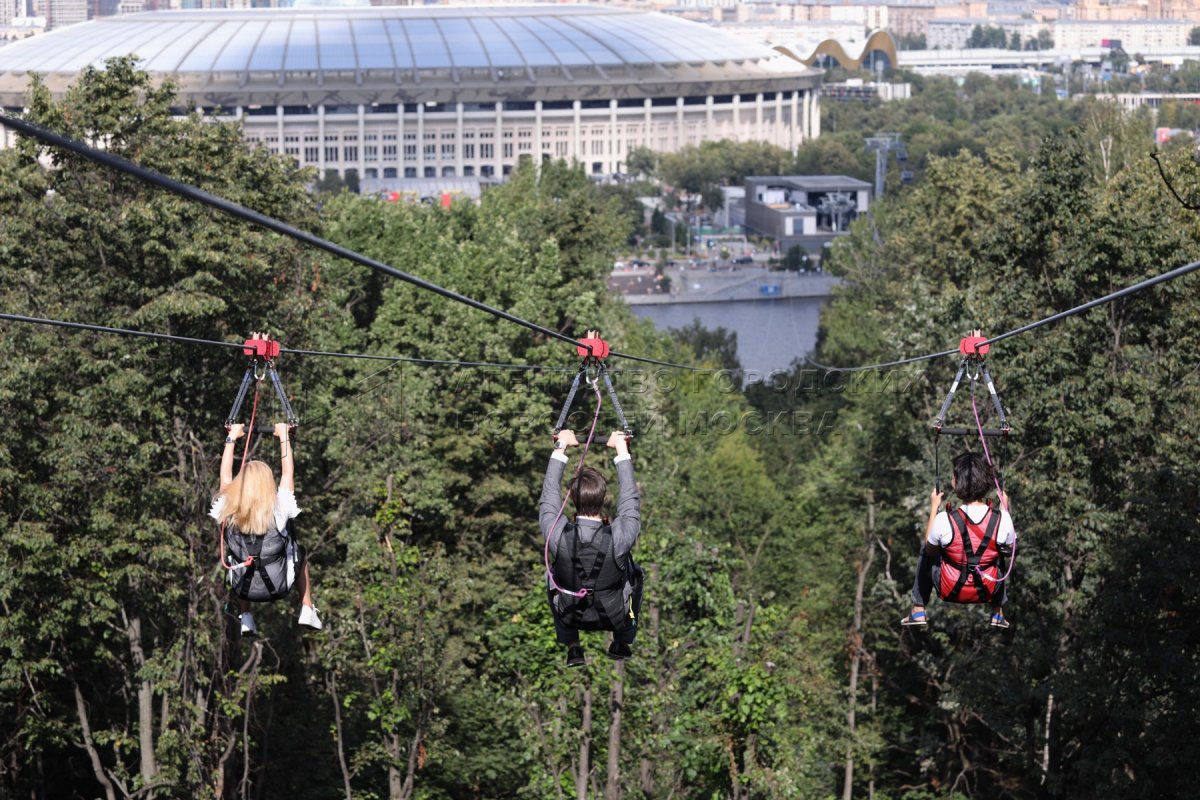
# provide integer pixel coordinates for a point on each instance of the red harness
(970, 562)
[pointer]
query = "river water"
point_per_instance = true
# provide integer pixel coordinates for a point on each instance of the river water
(771, 334)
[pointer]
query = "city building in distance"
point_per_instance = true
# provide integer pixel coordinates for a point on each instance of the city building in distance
(390, 93)
(805, 211)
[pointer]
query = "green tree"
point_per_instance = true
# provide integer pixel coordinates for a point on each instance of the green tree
(115, 647)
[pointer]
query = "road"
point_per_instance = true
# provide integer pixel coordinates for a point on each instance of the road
(733, 283)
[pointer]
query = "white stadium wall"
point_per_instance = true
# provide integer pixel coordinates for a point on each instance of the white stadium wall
(395, 92)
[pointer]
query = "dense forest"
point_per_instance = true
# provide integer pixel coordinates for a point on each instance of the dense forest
(780, 524)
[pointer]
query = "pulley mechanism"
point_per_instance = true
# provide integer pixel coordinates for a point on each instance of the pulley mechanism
(262, 351)
(593, 350)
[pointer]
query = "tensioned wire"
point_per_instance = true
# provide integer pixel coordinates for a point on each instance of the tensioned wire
(270, 223)
(239, 345)
(1170, 275)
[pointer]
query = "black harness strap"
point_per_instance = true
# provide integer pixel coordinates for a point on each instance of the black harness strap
(601, 544)
(959, 526)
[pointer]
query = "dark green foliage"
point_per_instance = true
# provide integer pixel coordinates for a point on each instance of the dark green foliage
(437, 675)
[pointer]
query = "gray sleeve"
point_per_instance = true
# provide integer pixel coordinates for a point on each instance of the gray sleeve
(627, 525)
(550, 503)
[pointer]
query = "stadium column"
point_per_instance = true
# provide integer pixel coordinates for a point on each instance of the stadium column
(458, 140)
(499, 151)
(279, 129)
(758, 116)
(807, 116)
(737, 117)
(362, 142)
(779, 139)
(612, 137)
(420, 140)
(577, 133)
(680, 141)
(537, 136)
(321, 138)
(708, 116)
(814, 122)
(648, 138)
(400, 158)
(794, 136)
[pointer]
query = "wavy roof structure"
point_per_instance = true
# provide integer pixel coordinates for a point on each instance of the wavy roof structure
(881, 41)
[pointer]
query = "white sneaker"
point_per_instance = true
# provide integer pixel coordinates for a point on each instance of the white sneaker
(309, 618)
(248, 627)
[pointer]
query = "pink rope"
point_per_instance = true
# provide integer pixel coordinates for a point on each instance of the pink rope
(987, 454)
(578, 470)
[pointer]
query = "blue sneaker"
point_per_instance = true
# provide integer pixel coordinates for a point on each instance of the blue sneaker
(916, 618)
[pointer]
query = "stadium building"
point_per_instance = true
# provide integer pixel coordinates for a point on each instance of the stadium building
(443, 91)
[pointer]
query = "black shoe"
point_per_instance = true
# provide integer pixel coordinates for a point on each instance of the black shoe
(575, 656)
(619, 651)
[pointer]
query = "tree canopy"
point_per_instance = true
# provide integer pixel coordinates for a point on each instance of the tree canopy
(780, 523)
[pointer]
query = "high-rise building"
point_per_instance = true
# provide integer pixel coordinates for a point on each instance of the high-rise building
(60, 13)
(8, 11)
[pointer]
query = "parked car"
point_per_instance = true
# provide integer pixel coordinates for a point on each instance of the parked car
(744, 260)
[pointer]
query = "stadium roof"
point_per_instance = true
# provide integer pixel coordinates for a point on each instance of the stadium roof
(418, 54)
(316, 41)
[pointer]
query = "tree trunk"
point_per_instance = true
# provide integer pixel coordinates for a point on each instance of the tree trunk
(149, 767)
(414, 763)
(1046, 737)
(90, 745)
(863, 567)
(583, 768)
(341, 743)
(612, 788)
(646, 771)
(874, 693)
(395, 779)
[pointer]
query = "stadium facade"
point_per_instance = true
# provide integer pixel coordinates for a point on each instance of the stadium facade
(444, 91)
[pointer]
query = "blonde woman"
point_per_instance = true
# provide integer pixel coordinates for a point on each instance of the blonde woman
(263, 559)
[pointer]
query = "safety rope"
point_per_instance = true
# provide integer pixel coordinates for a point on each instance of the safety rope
(595, 384)
(1012, 559)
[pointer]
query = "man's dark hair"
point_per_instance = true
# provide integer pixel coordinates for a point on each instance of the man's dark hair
(972, 477)
(587, 492)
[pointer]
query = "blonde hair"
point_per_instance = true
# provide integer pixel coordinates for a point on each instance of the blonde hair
(250, 499)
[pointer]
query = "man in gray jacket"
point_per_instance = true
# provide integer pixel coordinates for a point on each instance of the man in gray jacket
(599, 585)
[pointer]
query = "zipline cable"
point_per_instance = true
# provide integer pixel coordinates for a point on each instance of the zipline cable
(270, 223)
(898, 363)
(121, 331)
(262, 220)
(433, 362)
(1178, 272)
(216, 343)
(670, 364)
(1171, 275)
